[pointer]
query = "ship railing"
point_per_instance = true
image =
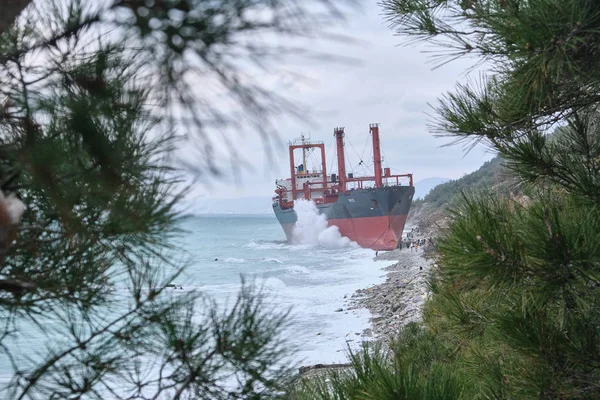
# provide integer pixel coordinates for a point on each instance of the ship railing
(330, 189)
(319, 185)
(307, 143)
(385, 179)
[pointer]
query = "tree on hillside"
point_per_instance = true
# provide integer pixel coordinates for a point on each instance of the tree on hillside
(520, 284)
(94, 98)
(515, 307)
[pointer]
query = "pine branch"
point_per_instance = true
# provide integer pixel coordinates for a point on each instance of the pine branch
(9, 11)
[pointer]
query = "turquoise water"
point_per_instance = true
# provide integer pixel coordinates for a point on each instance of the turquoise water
(311, 279)
(314, 280)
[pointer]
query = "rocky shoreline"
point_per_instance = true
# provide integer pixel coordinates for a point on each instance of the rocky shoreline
(393, 304)
(399, 300)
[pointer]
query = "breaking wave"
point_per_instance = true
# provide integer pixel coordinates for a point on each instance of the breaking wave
(297, 269)
(266, 244)
(234, 260)
(273, 260)
(311, 228)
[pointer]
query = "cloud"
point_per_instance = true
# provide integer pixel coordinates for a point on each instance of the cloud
(372, 80)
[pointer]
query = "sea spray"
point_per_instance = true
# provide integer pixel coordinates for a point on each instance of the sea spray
(311, 228)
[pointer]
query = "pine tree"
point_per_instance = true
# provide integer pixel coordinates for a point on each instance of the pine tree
(9, 10)
(515, 307)
(518, 288)
(94, 98)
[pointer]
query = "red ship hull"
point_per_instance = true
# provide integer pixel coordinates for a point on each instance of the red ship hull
(377, 233)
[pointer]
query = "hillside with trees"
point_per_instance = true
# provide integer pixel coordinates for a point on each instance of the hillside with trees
(432, 211)
(95, 97)
(513, 310)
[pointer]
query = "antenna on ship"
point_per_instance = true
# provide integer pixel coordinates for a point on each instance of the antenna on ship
(303, 153)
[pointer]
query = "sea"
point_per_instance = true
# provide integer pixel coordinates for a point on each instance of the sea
(313, 277)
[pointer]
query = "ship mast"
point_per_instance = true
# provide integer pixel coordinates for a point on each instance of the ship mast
(303, 155)
(374, 128)
(308, 186)
(339, 139)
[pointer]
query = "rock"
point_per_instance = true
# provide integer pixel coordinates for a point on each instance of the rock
(368, 332)
(399, 299)
(304, 370)
(339, 310)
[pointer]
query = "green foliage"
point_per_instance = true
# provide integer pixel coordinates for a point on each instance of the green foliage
(569, 159)
(94, 98)
(525, 278)
(491, 174)
(411, 371)
(514, 307)
(513, 312)
(433, 211)
(543, 54)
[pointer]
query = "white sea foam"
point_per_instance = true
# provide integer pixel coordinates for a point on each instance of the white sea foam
(311, 228)
(272, 284)
(234, 260)
(313, 280)
(275, 260)
(265, 245)
(297, 269)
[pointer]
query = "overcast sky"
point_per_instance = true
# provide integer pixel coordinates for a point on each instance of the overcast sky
(389, 83)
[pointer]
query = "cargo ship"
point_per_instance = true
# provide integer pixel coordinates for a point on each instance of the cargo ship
(370, 210)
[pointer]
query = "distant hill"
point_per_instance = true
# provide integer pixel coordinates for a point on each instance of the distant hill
(490, 175)
(424, 186)
(431, 209)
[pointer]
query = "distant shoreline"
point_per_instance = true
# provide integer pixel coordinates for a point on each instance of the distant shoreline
(250, 215)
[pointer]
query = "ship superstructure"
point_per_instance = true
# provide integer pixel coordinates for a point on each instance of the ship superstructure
(370, 210)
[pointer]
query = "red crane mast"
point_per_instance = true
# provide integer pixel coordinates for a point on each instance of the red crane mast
(339, 139)
(374, 129)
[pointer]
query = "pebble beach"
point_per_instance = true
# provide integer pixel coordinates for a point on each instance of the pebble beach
(393, 303)
(399, 300)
